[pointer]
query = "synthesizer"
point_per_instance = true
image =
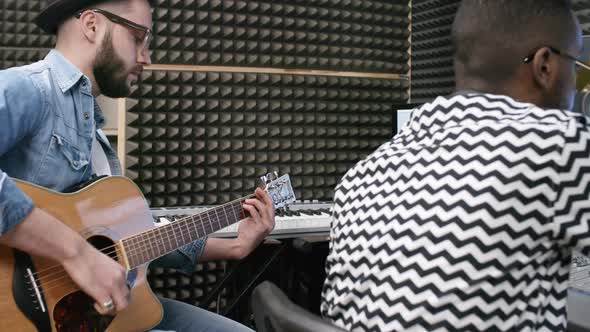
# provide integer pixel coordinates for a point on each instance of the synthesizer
(299, 219)
(578, 300)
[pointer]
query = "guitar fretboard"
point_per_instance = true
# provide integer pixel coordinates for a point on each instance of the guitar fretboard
(147, 246)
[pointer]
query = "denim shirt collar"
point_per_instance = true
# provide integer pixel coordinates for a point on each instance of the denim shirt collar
(67, 75)
(99, 119)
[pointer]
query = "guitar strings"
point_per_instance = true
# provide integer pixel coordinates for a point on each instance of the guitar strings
(54, 279)
(49, 278)
(59, 272)
(135, 249)
(138, 247)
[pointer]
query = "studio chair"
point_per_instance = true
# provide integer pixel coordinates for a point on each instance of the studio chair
(274, 312)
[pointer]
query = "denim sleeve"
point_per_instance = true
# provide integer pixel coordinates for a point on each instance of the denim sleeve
(22, 110)
(14, 204)
(183, 259)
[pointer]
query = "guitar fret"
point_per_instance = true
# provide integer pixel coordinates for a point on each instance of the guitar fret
(218, 219)
(232, 219)
(165, 240)
(174, 232)
(139, 248)
(199, 221)
(163, 247)
(135, 252)
(242, 212)
(211, 219)
(157, 235)
(194, 228)
(227, 221)
(200, 228)
(223, 217)
(181, 233)
(234, 212)
(150, 240)
(202, 225)
(144, 248)
(172, 236)
(154, 242)
(210, 230)
(127, 246)
(159, 241)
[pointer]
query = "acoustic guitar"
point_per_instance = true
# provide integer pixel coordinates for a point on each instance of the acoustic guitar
(112, 214)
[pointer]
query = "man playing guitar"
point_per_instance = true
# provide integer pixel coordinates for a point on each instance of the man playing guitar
(48, 136)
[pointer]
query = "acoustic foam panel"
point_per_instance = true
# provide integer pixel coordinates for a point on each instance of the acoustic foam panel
(337, 35)
(201, 138)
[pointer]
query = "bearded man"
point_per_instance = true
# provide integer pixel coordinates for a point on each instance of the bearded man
(50, 136)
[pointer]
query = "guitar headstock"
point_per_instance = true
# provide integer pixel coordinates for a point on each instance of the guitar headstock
(279, 189)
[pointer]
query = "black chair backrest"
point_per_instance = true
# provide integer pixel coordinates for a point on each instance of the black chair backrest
(274, 312)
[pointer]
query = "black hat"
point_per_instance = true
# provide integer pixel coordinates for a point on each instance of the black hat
(59, 10)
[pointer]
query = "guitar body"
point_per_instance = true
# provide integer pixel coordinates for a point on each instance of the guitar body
(104, 212)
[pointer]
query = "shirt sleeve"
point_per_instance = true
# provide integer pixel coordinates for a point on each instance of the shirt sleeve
(14, 204)
(572, 206)
(21, 111)
(183, 259)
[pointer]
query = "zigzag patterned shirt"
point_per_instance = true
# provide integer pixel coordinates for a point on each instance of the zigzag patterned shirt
(464, 221)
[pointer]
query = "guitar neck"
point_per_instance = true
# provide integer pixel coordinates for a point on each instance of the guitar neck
(149, 245)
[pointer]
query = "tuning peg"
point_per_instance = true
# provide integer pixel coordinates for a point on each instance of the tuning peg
(269, 177)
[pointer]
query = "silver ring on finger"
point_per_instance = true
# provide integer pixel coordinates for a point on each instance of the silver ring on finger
(108, 304)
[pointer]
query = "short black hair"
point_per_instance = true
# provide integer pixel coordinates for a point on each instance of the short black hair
(491, 37)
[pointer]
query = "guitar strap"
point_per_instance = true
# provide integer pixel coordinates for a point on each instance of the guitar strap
(99, 162)
(104, 160)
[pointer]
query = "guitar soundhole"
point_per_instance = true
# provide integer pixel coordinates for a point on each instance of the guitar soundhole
(75, 312)
(103, 244)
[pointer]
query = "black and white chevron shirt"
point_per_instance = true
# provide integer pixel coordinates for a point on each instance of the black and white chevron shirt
(464, 221)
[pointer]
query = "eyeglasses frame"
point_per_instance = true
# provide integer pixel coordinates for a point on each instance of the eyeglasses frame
(555, 50)
(148, 33)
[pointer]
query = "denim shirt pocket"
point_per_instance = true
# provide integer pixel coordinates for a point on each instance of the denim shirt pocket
(75, 157)
(64, 165)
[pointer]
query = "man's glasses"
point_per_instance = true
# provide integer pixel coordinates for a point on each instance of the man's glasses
(579, 63)
(143, 35)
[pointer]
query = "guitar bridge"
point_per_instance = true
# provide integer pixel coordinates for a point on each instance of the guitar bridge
(27, 292)
(36, 289)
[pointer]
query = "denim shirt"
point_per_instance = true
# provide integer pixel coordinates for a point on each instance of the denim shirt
(47, 124)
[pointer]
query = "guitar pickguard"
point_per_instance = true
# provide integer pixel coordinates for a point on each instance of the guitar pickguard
(75, 313)
(24, 294)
